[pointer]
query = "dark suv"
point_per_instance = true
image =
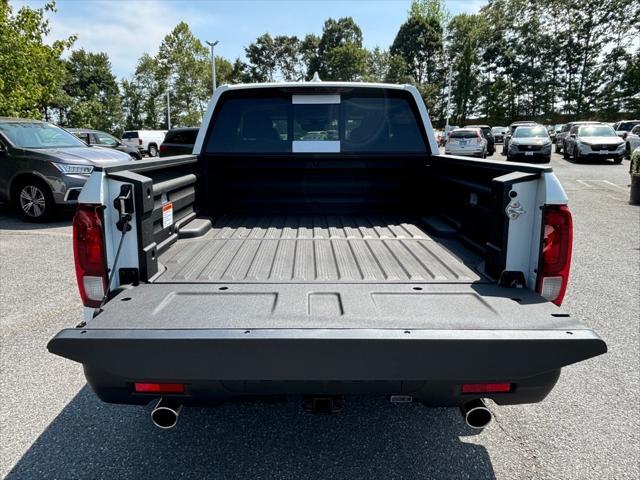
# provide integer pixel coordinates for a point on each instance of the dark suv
(179, 141)
(43, 166)
(103, 139)
(487, 133)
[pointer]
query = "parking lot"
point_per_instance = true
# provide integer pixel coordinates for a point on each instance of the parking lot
(54, 427)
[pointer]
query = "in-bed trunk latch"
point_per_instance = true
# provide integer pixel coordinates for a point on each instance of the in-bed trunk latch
(514, 210)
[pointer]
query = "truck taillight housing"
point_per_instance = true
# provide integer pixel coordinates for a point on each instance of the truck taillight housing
(89, 254)
(555, 258)
(139, 141)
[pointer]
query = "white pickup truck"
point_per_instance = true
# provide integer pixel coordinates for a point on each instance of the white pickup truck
(317, 244)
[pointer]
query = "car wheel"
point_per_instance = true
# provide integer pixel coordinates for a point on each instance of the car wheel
(617, 160)
(565, 155)
(576, 155)
(557, 149)
(627, 151)
(153, 151)
(33, 200)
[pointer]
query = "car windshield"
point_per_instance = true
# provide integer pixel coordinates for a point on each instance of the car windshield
(522, 132)
(39, 135)
(597, 131)
(498, 130)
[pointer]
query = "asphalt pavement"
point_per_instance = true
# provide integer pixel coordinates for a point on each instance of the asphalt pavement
(52, 425)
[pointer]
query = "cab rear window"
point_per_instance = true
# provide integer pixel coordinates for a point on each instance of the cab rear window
(130, 135)
(324, 123)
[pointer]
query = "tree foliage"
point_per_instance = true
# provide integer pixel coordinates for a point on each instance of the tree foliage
(31, 71)
(94, 96)
(546, 60)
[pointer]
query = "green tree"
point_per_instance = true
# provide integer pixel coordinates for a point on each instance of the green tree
(93, 92)
(340, 55)
(262, 57)
(420, 43)
(464, 35)
(132, 105)
(147, 81)
(31, 70)
(184, 71)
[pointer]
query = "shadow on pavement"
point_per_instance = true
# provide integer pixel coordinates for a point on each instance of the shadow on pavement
(10, 220)
(370, 439)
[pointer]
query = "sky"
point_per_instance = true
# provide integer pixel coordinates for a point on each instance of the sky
(125, 29)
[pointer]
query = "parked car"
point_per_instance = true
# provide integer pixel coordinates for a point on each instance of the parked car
(253, 269)
(554, 130)
(632, 141)
(498, 134)
(488, 135)
(530, 143)
(466, 141)
(43, 166)
(623, 127)
(512, 128)
(103, 139)
(179, 141)
(596, 140)
(146, 141)
(561, 136)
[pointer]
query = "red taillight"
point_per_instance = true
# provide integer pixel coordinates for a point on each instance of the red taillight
(485, 387)
(89, 254)
(159, 387)
(555, 260)
(163, 148)
(139, 141)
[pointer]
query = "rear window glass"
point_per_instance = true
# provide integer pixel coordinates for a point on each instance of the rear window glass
(187, 137)
(464, 134)
(276, 124)
(130, 135)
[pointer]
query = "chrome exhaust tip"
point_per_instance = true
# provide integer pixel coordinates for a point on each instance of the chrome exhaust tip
(165, 414)
(476, 414)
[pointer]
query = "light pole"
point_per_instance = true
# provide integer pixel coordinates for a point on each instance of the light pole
(446, 128)
(213, 64)
(168, 112)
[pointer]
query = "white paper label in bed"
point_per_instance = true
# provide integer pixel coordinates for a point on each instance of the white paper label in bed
(167, 215)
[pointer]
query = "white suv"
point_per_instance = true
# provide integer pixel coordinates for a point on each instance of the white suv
(632, 141)
(147, 141)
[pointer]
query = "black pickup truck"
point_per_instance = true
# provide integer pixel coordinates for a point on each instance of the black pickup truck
(317, 244)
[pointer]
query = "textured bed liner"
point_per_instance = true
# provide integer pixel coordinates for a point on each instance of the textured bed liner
(317, 249)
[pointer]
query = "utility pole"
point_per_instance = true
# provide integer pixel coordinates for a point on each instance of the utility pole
(213, 64)
(168, 112)
(446, 128)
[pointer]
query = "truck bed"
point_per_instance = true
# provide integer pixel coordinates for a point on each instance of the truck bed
(318, 249)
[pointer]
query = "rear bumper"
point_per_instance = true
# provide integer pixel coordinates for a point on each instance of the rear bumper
(601, 156)
(464, 153)
(431, 364)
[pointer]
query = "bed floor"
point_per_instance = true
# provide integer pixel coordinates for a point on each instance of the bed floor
(317, 249)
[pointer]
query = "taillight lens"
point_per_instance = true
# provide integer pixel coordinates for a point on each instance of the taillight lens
(163, 148)
(89, 254)
(139, 141)
(555, 260)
